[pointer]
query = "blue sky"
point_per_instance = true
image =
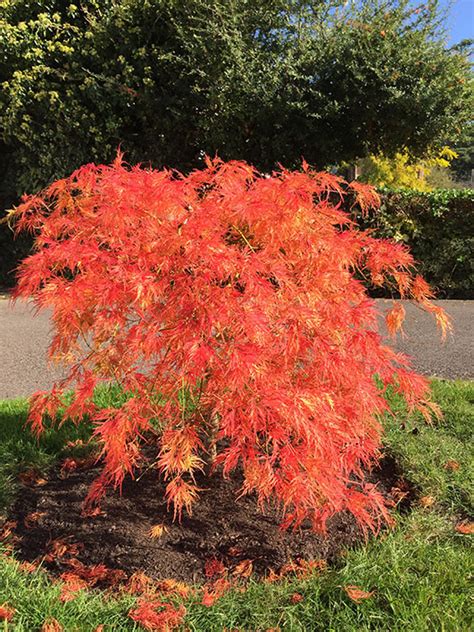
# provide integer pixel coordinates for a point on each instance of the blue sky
(460, 23)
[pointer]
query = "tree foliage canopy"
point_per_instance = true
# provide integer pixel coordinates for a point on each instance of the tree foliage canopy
(226, 306)
(262, 80)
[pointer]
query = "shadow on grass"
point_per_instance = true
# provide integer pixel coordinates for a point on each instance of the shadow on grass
(21, 450)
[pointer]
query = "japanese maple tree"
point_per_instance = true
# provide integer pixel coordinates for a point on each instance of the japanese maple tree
(230, 307)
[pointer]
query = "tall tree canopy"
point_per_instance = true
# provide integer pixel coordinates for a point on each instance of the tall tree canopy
(263, 80)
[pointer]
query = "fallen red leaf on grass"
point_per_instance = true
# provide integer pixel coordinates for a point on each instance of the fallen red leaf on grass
(466, 528)
(157, 615)
(357, 594)
(302, 569)
(427, 501)
(6, 612)
(52, 625)
(452, 466)
(272, 577)
(214, 591)
(296, 598)
(29, 567)
(72, 584)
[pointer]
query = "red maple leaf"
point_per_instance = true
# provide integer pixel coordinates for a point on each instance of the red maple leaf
(214, 567)
(357, 594)
(157, 615)
(6, 612)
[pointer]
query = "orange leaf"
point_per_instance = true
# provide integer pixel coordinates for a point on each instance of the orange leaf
(52, 625)
(395, 318)
(68, 465)
(234, 551)
(357, 594)
(8, 529)
(32, 477)
(6, 612)
(157, 530)
(33, 518)
(214, 567)
(91, 512)
(138, 583)
(296, 598)
(427, 501)
(243, 569)
(157, 615)
(173, 587)
(60, 548)
(452, 466)
(29, 567)
(466, 528)
(71, 586)
(215, 591)
(272, 577)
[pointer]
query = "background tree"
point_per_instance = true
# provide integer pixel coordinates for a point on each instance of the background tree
(463, 165)
(402, 172)
(267, 81)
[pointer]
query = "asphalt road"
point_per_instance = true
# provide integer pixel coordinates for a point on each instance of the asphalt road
(24, 339)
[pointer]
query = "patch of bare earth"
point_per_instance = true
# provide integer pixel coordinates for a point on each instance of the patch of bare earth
(222, 526)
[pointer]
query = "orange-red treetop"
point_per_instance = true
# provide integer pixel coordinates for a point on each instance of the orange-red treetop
(224, 300)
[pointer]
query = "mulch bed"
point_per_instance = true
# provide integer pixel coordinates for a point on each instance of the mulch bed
(222, 527)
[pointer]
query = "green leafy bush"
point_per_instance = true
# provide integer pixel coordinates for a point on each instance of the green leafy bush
(263, 81)
(438, 226)
(12, 251)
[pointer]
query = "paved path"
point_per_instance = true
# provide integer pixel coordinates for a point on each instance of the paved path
(24, 340)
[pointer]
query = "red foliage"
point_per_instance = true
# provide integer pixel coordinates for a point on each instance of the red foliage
(214, 567)
(357, 594)
(52, 625)
(157, 615)
(229, 306)
(214, 591)
(6, 613)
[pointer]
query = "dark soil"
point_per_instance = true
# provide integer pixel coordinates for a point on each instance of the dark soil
(221, 527)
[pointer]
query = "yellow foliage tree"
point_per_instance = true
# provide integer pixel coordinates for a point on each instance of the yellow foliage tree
(401, 172)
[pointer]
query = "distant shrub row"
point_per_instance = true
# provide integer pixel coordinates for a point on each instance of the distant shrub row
(12, 251)
(438, 226)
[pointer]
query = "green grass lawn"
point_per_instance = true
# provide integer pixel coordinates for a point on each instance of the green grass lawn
(419, 571)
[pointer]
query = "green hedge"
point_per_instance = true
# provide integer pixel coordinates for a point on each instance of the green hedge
(12, 251)
(437, 226)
